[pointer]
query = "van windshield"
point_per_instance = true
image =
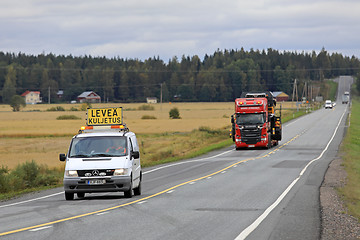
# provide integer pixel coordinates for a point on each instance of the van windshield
(98, 147)
(250, 118)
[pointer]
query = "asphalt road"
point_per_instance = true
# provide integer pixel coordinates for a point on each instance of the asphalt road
(227, 194)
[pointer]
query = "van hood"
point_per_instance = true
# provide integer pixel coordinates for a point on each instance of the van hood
(97, 163)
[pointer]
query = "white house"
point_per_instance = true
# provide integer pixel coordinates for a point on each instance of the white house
(32, 97)
(151, 100)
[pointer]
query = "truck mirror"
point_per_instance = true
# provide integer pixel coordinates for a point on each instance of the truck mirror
(62, 157)
(135, 154)
(232, 118)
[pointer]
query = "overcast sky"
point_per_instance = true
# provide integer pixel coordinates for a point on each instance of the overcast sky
(167, 28)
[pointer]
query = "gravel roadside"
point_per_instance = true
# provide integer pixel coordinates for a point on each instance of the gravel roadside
(336, 223)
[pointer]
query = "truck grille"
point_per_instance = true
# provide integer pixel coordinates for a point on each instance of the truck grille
(251, 136)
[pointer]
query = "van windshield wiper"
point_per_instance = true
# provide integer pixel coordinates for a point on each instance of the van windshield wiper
(102, 155)
(80, 156)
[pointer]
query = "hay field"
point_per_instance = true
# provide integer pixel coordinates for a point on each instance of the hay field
(193, 115)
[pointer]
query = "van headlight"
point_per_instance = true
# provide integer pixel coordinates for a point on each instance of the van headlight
(120, 172)
(71, 173)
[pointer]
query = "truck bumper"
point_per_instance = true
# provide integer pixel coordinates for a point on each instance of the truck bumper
(240, 144)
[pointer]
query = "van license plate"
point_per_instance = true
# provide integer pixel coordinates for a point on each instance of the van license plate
(251, 145)
(96, 182)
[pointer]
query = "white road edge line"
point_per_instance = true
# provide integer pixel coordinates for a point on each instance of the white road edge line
(99, 214)
(31, 200)
(39, 229)
(247, 231)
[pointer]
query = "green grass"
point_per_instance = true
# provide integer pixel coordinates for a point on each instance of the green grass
(27, 177)
(332, 90)
(292, 115)
(351, 161)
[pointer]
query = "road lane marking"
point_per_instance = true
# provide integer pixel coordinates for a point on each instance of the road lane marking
(99, 214)
(31, 200)
(39, 229)
(247, 231)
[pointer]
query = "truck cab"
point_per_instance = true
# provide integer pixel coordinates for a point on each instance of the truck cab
(102, 159)
(254, 123)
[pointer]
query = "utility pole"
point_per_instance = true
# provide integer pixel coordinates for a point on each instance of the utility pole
(49, 95)
(161, 96)
(295, 90)
(304, 93)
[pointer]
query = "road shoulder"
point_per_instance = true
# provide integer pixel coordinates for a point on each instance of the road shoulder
(336, 223)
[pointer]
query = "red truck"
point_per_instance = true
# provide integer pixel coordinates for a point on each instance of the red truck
(254, 123)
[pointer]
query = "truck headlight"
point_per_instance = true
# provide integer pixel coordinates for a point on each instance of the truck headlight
(71, 173)
(120, 172)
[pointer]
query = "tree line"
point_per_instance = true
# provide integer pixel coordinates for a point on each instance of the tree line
(221, 76)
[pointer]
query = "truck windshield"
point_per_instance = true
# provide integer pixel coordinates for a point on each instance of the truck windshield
(85, 147)
(250, 118)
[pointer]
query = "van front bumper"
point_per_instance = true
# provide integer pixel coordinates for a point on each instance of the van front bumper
(88, 185)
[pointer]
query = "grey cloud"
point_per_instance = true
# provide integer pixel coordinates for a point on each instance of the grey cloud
(142, 29)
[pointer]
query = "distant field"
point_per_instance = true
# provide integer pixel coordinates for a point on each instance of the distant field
(35, 134)
(193, 115)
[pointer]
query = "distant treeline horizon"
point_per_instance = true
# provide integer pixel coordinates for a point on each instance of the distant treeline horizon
(221, 76)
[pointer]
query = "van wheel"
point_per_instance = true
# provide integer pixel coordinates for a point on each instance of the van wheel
(80, 195)
(129, 193)
(137, 191)
(69, 196)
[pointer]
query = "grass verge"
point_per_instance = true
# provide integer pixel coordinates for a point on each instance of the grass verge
(351, 161)
(27, 177)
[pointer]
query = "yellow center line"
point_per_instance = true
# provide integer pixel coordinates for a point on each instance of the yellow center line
(144, 198)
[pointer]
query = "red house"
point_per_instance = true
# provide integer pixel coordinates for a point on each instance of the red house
(90, 97)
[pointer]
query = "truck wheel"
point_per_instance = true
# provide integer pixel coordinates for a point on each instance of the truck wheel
(80, 195)
(137, 191)
(69, 196)
(129, 193)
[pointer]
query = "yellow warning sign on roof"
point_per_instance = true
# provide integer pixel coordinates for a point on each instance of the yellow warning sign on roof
(104, 116)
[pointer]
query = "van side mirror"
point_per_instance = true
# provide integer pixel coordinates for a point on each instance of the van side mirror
(62, 157)
(232, 119)
(135, 154)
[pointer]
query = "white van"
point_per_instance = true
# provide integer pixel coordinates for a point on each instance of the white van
(102, 160)
(328, 104)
